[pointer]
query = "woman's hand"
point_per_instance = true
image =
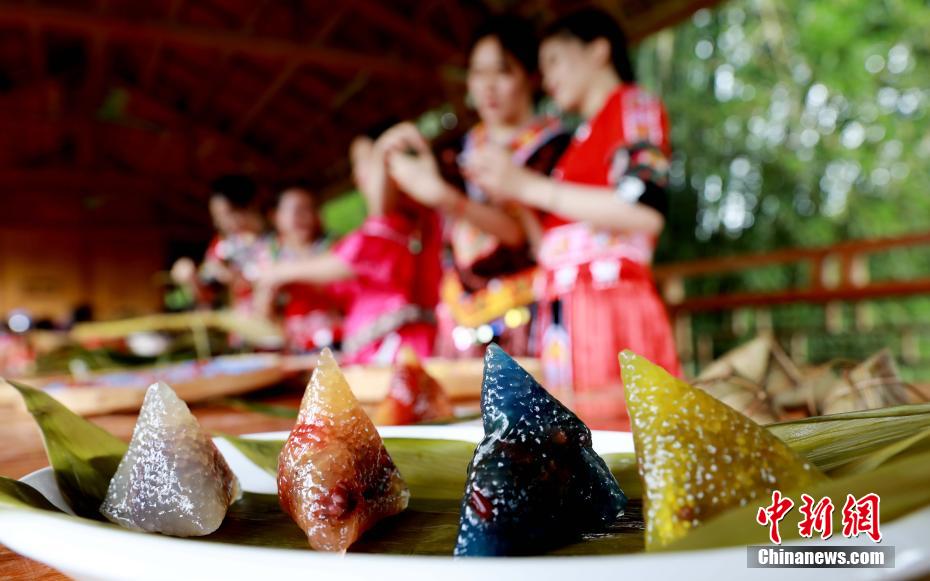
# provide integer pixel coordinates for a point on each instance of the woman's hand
(184, 271)
(418, 176)
(493, 170)
(263, 296)
(403, 137)
(265, 289)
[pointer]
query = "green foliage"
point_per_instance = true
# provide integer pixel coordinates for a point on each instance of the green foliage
(794, 123)
(798, 124)
(343, 214)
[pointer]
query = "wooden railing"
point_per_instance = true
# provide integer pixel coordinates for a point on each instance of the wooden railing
(834, 275)
(837, 273)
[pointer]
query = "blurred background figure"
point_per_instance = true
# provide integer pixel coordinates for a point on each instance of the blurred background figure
(229, 263)
(309, 313)
(603, 210)
(386, 272)
(797, 125)
(16, 355)
(488, 280)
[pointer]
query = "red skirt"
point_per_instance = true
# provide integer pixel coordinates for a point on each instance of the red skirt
(602, 321)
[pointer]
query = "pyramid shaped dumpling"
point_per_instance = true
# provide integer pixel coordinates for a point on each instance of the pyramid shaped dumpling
(335, 478)
(172, 480)
(697, 456)
(413, 395)
(534, 482)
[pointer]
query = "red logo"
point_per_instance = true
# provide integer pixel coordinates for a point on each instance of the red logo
(859, 516)
(771, 515)
(816, 518)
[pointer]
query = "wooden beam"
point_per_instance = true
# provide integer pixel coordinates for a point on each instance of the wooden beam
(455, 16)
(640, 26)
(37, 55)
(195, 138)
(304, 142)
(148, 32)
(321, 92)
(255, 16)
(290, 68)
(331, 100)
(873, 291)
(182, 123)
(202, 100)
(71, 179)
(91, 96)
(46, 91)
(726, 264)
(328, 27)
(279, 82)
(174, 231)
(408, 33)
(148, 73)
(173, 193)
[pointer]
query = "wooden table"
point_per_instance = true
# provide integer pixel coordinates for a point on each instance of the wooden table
(21, 452)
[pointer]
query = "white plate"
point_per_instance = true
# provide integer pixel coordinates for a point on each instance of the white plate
(89, 550)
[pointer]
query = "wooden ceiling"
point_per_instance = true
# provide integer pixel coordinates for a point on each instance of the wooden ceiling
(153, 99)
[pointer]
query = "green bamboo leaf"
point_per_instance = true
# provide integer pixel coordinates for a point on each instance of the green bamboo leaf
(430, 528)
(832, 441)
(881, 450)
(434, 469)
(919, 442)
(257, 520)
(427, 527)
(902, 486)
(624, 468)
(262, 453)
(275, 411)
(83, 455)
(20, 494)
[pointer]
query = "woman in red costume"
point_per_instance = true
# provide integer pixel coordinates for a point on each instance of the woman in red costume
(309, 313)
(386, 273)
(230, 258)
(488, 280)
(602, 209)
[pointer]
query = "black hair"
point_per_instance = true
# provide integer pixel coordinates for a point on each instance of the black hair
(239, 190)
(375, 130)
(517, 37)
(82, 313)
(590, 24)
(300, 185)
